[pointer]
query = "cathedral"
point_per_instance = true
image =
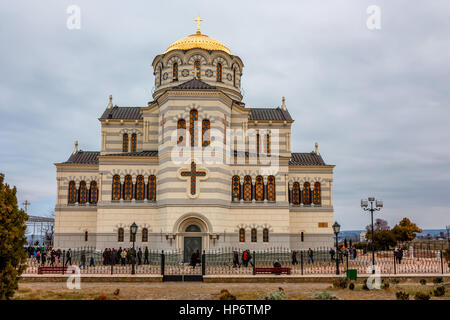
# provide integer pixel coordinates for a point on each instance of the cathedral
(195, 168)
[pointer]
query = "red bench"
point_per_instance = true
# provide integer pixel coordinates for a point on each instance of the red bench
(272, 270)
(42, 270)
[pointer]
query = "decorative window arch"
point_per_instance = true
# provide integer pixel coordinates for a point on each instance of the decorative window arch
(306, 193)
(219, 72)
(193, 117)
(241, 235)
(128, 188)
(93, 192)
(120, 235)
(181, 127)
(247, 188)
(316, 194)
(82, 192)
(72, 192)
(175, 72)
(116, 188)
(197, 69)
(151, 188)
(144, 235)
(259, 188)
(271, 188)
(125, 142)
(86, 235)
(236, 189)
(140, 186)
(206, 139)
(133, 142)
(254, 234)
(265, 235)
(296, 193)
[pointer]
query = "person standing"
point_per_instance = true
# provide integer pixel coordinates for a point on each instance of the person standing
(310, 256)
(139, 256)
(123, 257)
(69, 257)
(332, 253)
(236, 259)
(146, 253)
(294, 257)
(250, 259)
(82, 260)
(245, 258)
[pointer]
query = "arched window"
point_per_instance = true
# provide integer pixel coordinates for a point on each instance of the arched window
(132, 236)
(265, 235)
(128, 188)
(193, 117)
(160, 75)
(247, 188)
(193, 228)
(85, 236)
(72, 192)
(268, 144)
(234, 77)
(175, 72)
(219, 72)
(271, 188)
(259, 189)
(302, 237)
(257, 144)
(241, 235)
(254, 235)
(197, 69)
(125, 143)
(316, 195)
(116, 188)
(296, 193)
(306, 193)
(134, 142)
(206, 140)
(93, 192)
(140, 186)
(236, 188)
(144, 235)
(181, 127)
(120, 235)
(83, 192)
(151, 188)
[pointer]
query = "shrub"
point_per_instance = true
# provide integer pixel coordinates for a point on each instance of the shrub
(324, 295)
(439, 291)
(385, 285)
(395, 281)
(341, 283)
(401, 295)
(422, 296)
(226, 295)
(102, 297)
(423, 282)
(438, 280)
(351, 286)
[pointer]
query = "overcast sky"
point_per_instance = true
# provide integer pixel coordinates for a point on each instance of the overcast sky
(377, 101)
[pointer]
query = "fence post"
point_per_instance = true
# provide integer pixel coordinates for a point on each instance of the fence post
(63, 264)
(442, 263)
(395, 262)
(163, 262)
(301, 261)
(203, 263)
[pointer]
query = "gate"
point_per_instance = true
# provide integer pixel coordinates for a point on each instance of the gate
(176, 268)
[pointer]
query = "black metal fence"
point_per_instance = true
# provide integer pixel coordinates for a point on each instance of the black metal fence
(231, 261)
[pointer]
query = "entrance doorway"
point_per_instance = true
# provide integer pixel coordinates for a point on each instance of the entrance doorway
(192, 243)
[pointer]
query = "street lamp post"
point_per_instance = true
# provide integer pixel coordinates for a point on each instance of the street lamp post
(365, 207)
(448, 234)
(133, 229)
(337, 229)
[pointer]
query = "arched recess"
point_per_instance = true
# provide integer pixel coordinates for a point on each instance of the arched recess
(192, 218)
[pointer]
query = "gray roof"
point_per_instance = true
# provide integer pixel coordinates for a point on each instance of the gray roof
(147, 153)
(306, 159)
(269, 114)
(83, 157)
(122, 113)
(194, 84)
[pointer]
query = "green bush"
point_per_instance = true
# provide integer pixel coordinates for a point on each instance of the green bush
(439, 291)
(324, 295)
(341, 283)
(277, 295)
(423, 282)
(401, 295)
(438, 280)
(422, 296)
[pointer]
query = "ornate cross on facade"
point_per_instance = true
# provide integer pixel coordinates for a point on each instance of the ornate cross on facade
(163, 121)
(193, 174)
(198, 20)
(225, 124)
(26, 204)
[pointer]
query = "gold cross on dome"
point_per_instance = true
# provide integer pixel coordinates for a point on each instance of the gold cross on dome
(198, 20)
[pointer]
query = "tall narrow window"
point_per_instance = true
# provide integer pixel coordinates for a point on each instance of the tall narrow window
(128, 188)
(181, 127)
(132, 236)
(302, 237)
(241, 235)
(125, 143)
(254, 235)
(247, 188)
(206, 140)
(265, 235)
(271, 188)
(259, 188)
(116, 188)
(236, 188)
(268, 144)
(151, 193)
(234, 77)
(175, 72)
(140, 184)
(85, 236)
(296, 193)
(93, 192)
(257, 144)
(316, 195)
(72, 192)
(120, 235)
(144, 235)
(197, 69)
(306, 193)
(160, 75)
(83, 192)
(219, 72)
(193, 117)
(134, 142)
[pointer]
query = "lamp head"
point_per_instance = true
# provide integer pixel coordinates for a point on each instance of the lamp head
(371, 199)
(134, 228)
(379, 203)
(364, 203)
(336, 227)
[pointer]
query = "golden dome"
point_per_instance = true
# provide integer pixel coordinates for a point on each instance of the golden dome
(198, 40)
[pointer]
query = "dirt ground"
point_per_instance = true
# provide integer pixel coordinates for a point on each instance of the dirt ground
(211, 291)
